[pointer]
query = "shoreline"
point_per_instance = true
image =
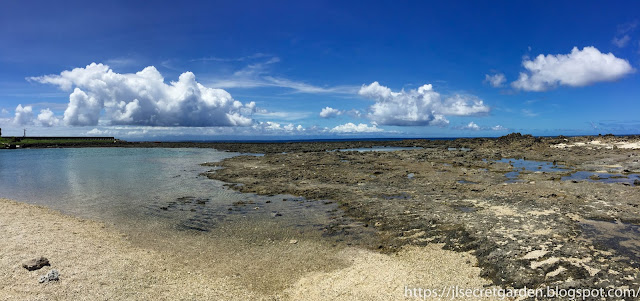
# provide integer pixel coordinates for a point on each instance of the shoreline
(98, 262)
(321, 145)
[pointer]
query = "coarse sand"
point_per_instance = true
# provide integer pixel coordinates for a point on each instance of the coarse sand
(98, 262)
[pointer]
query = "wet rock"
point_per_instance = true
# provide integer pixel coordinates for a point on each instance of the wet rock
(36, 264)
(276, 214)
(522, 235)
(53, 275)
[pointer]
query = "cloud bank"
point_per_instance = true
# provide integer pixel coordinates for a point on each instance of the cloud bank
(143, 98)
(422, 106)
(576, 69)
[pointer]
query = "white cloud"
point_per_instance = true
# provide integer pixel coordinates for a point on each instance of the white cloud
(499, 128)
(576, 69)
(495, 80)
(282, 115)
(354, 113)
(96, 131)
(621, 41)
(472, 126)
(529, 113)
(47, 119)
(352, 128)
(23, 115)
(4, 111)
(144, 98)
(274, 127)
(329, 112)
(462, 105)
(422, 106)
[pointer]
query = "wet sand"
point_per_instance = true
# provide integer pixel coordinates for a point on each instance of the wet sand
(98, 262)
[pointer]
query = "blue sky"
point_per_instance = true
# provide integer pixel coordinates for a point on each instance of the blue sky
(326, 69)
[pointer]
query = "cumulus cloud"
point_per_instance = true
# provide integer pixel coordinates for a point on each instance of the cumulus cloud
(472, 126)
(143, 98)
(422, 106)
(352, 128)
(496, 80)
(47, 118)
(23, 115)
(274, 127)
(576, 69)
(329, 112)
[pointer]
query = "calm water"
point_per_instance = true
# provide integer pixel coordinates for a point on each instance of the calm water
(529, 165)
(103, 181)
(156, 199)
(590, 176)
(138, 187)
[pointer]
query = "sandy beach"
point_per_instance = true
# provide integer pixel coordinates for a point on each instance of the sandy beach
(97, 262)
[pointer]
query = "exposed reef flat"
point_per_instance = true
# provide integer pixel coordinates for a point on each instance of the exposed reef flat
(528, 222)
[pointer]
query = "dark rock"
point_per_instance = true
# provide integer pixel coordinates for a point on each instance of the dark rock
(36, 264)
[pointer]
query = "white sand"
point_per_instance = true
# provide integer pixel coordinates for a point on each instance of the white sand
(599, 144)
(374, 276)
